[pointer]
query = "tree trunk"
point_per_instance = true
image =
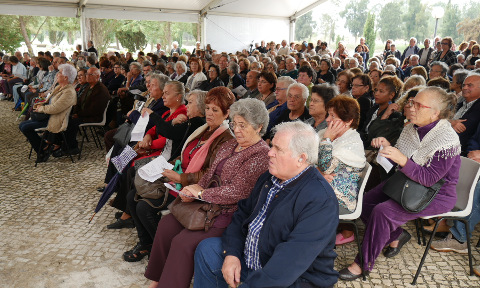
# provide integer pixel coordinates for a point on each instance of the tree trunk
(168, 33)
(23, 28)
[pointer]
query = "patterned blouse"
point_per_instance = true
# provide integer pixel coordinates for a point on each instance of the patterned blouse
(345, 182)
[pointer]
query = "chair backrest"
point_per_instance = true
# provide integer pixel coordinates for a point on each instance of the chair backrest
(362, 183)
(467, 180)
(105, 114)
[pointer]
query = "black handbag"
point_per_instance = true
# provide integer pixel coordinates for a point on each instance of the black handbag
(413, 196)
(123, 134)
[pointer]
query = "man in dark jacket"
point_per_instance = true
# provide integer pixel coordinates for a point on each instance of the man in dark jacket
(410, 50)
(283, 235)
(89, 109)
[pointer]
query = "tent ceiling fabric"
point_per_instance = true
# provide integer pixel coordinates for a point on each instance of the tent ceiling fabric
(179, 10)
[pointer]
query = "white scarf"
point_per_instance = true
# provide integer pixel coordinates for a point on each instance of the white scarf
(441, 138)
(348, 148)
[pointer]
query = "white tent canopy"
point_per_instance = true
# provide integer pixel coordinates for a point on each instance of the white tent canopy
(227, 24)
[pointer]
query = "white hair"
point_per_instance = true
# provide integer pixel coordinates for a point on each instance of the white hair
(304, 139)
(253, 111)
(181, 63)
(302, 87)
(286, 79)
(69, 71)
(390, 67)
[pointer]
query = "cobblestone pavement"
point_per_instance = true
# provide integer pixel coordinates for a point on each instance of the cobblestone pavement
(46, 240)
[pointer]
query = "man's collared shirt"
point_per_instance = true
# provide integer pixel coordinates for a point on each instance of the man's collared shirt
(252, 257)
(465, 107)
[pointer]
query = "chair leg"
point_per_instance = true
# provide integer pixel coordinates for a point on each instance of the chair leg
(423, 233)
(99, 140)
(426, 251)
(40, 147)
(66, 146)
(84, 135)
(469, 247)
(31, 150)
(417, 228)
(360, 254)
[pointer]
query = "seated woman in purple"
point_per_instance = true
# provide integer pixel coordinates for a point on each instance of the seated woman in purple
(428, 150)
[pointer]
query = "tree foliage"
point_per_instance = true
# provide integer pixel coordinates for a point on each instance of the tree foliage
(355, 14)
(10, 35)
(450, 20)
(390, 21)
(102, 32)
(369, 31)
(133, 41)
(304, 27)
(469, 29)
(416, 20)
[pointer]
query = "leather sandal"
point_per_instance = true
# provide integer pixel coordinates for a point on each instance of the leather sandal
(137, 253)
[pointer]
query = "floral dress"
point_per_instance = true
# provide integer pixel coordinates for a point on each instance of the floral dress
(345, 158)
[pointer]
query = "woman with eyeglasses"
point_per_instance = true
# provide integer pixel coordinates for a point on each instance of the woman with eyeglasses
(446, 55)
(213, 79)
(325, 75)
(344, 82)
(230, 178)
(428, 150)
(204, 131)
(362, 92)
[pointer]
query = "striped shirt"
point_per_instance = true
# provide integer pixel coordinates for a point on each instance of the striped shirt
(252, 257)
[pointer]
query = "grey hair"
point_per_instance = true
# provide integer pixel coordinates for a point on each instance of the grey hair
(446, 102)
(234, 67)
(460, 56)
(441, 64)
(81, 64)
(253, 111)
(161, 79)
(252, 59)
(184, 66)
(414, 56)
(290, 57)
(390, 67)
(137, 65)
(461, 75)
(304, 139)
(414, 39)
(179, 88)
(302, 87)
(354, 60)
(275, 66)
(69, 71)
(286, 79)
(146, 63)
(200, 99)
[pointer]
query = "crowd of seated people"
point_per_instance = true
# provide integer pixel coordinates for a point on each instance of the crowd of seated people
(274, 97)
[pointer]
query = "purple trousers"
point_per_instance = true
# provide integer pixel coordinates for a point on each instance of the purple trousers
(171, 259)
(383, 218)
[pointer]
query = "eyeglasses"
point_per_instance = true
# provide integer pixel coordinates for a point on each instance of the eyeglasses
(240, 126)
(116, 67)
(444, 43)
(416, 104)
(281, 89)
(358, 85)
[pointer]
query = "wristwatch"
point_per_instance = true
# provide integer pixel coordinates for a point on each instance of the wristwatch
(199, 195)
(327, 139)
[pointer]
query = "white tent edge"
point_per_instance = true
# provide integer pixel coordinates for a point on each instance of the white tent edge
(83, 10)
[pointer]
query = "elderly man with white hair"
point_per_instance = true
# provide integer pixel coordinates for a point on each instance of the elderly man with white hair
(411, 49)
(413, 62)
(275, 238)
(284, 50)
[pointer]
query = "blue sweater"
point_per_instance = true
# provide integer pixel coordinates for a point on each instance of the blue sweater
(297, 239)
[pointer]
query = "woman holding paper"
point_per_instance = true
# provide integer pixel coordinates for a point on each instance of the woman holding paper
(428, 150)
(197, 155)
(153, 144)
(230, 178)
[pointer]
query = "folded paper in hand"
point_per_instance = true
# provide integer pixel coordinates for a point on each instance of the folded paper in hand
(240, 91)
(153, 170)
(387, 165)
(139, 130)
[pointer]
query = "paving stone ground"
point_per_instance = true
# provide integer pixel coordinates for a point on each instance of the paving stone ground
(46, 241)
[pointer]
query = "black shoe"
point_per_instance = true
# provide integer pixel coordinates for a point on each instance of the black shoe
(42, 157)
(58, 153)
(137, 253)
(119, 224)
(402, 240)
(118, 215)
(346, 275)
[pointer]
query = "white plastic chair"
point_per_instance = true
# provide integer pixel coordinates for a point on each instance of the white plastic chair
(93, 127)
(352, 217)
(467, 180)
